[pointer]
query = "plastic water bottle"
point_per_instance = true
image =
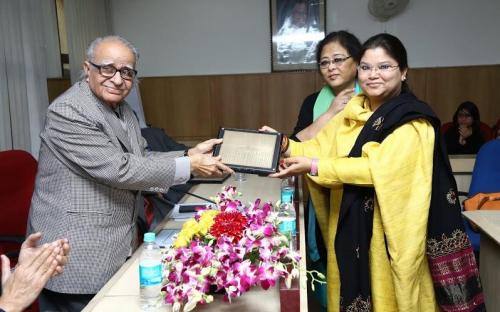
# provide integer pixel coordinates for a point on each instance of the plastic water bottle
(150, 273)
(286, 214)
(287, 189)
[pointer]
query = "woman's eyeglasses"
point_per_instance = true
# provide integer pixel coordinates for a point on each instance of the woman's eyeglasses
(337, 61)
(380, 68)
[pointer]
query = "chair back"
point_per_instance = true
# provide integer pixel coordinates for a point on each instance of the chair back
(486, 131)
(17, 181)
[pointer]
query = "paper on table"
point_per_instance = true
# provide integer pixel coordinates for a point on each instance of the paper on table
(166, 237)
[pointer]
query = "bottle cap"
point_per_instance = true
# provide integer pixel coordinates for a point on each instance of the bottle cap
(149, 237)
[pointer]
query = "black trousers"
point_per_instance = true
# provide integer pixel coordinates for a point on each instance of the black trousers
(51, 301)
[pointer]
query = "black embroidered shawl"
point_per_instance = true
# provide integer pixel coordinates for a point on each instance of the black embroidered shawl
(450, 256)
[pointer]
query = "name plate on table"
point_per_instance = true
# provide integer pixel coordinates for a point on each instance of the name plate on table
(249, 151)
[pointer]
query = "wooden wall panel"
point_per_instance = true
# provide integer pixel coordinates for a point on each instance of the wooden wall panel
(416, 81)
(284, 94)
(56, 86)
(448, 87)
(238, 101)
(192, 108)
(181, 105)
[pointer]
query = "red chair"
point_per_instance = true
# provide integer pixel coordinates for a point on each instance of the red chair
(494, 129)
(485, 130)
(17, 181)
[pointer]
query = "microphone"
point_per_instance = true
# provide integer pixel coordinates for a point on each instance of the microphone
(191, 194)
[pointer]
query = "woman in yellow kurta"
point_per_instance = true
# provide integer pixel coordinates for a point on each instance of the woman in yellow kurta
(376, 167)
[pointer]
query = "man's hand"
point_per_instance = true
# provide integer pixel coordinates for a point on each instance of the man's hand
(205, 147)
(30, 246)
(293, 166)
(208, 166)
(23, 286)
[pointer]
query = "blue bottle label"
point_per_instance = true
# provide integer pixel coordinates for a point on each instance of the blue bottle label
(287, 226)
(287, 194)
(150, 275)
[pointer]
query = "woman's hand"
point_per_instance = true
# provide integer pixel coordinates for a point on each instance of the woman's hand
(464, 133)
(267, 129)
(293, 166)
(340, 101)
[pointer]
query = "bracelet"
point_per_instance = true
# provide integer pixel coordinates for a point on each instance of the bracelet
(284, 144)
(314, 167)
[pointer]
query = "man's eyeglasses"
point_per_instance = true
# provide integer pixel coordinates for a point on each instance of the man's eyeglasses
(337, 61)
(110, 71)
(380, 68)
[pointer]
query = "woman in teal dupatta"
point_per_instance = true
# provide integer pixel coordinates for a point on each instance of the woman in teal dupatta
(337, 56)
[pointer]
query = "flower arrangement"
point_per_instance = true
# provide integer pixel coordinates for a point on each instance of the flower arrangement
(229, 250)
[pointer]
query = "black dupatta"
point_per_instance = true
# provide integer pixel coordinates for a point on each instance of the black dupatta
(449, 252)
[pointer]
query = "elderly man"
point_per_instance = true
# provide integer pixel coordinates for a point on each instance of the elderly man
(92, 166)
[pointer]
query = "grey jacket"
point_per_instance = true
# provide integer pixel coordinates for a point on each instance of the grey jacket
(89, 173)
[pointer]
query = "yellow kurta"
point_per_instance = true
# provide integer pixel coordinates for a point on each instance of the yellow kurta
(400, 170)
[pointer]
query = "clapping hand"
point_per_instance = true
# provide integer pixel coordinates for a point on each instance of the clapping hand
(30, 247)
(36, 265)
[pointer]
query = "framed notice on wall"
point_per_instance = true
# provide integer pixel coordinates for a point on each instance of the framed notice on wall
(296, 28)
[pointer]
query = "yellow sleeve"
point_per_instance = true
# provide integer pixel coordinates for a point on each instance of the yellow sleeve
(345, 170)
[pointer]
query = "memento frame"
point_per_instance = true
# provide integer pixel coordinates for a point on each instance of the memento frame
(296, 28)
(249, 151)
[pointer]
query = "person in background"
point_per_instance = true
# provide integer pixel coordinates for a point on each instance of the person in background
(91, 169)
(35, 266)
(396, 240)
(465, 136)
(337, 56)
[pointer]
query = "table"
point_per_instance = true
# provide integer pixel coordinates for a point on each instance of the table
(462, 167)
(488, 222)
(121, 293)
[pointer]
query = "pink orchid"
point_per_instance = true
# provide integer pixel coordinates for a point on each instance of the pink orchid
(259, 257)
